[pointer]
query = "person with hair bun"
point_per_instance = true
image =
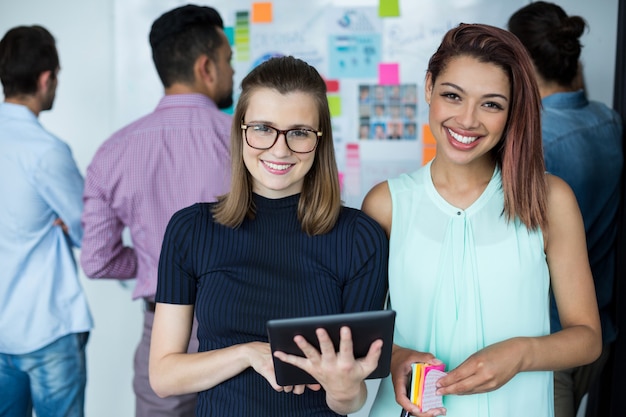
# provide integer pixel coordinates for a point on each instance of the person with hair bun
(582, 144)
(477, 237)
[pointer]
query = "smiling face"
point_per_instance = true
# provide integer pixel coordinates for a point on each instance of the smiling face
(278, 172)
(469, 107)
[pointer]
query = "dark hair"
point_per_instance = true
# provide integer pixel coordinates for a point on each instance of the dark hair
(25, 53)
(320, 200)
(519, 153)
(552, 39)
(179, 37)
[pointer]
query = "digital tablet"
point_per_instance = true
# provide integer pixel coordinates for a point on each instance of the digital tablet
(366, 327)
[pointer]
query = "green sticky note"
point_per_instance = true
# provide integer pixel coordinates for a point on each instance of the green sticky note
(389, 8)
(334, 103)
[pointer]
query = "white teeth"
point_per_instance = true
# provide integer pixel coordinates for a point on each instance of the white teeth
(463, 139)
(278, 167)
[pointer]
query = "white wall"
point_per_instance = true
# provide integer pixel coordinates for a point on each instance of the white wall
(83, 116)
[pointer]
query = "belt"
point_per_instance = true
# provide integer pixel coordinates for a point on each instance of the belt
(149, 305)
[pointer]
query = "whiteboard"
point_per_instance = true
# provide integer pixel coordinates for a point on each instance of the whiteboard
(355, 46)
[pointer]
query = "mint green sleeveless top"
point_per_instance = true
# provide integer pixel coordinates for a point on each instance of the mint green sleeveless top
(461, 280)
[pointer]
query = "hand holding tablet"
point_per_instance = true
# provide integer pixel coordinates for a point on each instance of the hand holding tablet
(366, 327)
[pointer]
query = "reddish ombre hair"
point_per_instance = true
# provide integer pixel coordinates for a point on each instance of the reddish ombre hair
(519, 153)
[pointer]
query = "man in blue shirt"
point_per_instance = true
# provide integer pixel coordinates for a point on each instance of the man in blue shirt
(44, 316)
(582, 144)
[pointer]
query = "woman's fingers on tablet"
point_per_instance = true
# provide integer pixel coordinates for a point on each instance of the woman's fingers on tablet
(291, 359)
(346, 347)
(310, 352)
(370, 362)
(314, 387)
(327, 348)
(298, 389)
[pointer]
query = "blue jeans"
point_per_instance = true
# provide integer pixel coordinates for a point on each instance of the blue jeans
(51, 380)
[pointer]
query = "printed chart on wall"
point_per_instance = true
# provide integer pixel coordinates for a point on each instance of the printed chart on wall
(372, 53)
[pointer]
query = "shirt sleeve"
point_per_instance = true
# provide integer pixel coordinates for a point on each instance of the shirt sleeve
(366, 288)
(103, 253)
(61, 185)
(177, 278)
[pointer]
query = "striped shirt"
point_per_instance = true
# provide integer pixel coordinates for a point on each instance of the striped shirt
(267, 268)
(172, 158)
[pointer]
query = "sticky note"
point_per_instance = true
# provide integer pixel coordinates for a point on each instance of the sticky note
(262, 13)
(427, 136)
(388, 74)
(353, 159)
(428, 154)
(334, 103)
(229, 31)
(389, 8)
(423, 385)
(242, 36)
(242, 17)
(332, 86)
(430, 399)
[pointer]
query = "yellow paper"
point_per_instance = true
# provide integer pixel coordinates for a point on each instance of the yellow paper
(334, 103)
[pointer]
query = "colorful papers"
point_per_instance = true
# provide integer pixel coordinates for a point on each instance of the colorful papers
(423, 386)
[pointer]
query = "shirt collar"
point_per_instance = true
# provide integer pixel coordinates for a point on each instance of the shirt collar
(572, 99)
(189, 100)
(17, 111)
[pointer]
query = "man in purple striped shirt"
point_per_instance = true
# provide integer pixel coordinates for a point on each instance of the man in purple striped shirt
(167, 160)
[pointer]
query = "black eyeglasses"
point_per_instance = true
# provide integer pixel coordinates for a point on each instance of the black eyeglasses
(262, 137)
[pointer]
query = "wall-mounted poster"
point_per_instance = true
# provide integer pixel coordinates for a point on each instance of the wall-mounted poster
(388, 112)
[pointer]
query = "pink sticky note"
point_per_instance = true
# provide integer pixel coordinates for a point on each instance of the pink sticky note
(388, 74)
(429, 397)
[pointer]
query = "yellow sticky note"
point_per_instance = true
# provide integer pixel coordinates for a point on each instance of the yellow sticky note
(388, 8)
(334, 103)
(262, 13)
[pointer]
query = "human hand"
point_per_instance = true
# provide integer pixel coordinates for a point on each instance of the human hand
(339, 373)
(60, 223)
(261, 361)
(486, 370)
(401, 360)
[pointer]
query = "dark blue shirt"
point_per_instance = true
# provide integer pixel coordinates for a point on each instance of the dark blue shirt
(267, 268)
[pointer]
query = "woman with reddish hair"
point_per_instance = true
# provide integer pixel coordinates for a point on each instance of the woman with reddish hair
(479, 237)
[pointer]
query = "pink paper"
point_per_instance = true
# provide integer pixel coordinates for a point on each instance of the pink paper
(429, 398)
(388, 74)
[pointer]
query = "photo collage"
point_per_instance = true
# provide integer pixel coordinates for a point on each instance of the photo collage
(388, 112)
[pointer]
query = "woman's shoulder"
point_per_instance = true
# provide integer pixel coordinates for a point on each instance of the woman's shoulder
(559, 192)
(562, 206)
(196, 212)
(360, 223)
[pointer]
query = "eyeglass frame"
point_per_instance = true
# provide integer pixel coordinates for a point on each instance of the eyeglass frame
(245, 126)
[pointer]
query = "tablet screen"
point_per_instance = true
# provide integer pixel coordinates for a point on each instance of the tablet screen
(366, 327)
